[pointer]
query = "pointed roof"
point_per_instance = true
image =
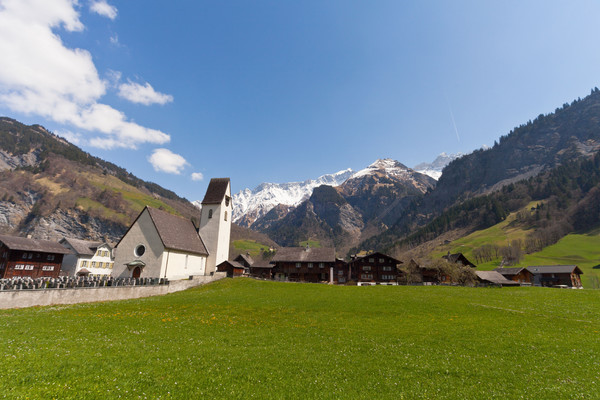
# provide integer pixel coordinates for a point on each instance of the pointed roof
(83, 247)
(26, 244)
(217, 189)
(177, 233)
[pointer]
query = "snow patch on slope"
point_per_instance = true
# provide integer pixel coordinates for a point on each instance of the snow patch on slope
(249, 205)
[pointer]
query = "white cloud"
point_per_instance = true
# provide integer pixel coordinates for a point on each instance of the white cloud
(197, 176)
(164, 160)
(39, 75)
(101, 7)
(143, 94)
(71, 137)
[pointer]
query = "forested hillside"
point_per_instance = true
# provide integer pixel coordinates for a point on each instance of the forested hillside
(553, 160)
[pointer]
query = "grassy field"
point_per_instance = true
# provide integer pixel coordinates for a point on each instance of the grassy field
(582, 250)
(310, 242)
(253, 247)
(250, 339)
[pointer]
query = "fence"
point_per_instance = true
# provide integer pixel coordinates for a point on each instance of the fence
(26, 292)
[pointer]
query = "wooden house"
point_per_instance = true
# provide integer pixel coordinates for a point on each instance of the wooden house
(516, 274)
(375, 268)
(494, 278)
(257, 269)
(34, 258)
(304, 264)
(233, 269)
(87, 258)
(459, 258)
(556, 275)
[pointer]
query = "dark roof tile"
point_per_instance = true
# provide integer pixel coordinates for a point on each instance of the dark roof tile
(302, 254)
(217, 188)
(177, 233)
(26, 244)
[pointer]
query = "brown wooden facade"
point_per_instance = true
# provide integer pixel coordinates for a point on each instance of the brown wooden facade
(233, 269)
(516, 274)
(298, 264)
(23, 257)
(375, 268)
(556, 275)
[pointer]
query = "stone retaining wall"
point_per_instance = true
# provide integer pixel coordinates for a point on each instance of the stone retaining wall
(47, 297)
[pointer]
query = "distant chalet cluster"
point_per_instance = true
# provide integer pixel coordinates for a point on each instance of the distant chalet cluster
(162, 246)
(306, 264)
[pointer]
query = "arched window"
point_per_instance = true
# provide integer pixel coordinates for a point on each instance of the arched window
(210, 213)
(225, 215)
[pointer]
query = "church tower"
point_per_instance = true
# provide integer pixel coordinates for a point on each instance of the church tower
(215, 222)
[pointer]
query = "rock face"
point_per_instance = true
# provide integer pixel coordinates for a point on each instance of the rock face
(250, 205)
(10, 162)
(50, 189)
(341, 216)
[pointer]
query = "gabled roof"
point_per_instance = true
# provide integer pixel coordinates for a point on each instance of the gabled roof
(26, 244)
(246, 258)
(217, 188)
(459, 258)
(495, 277)
(176, 233)
(234, 264)
(303, 254)
(376, 255)
(510, 271)
(84, 247)
(554, 269)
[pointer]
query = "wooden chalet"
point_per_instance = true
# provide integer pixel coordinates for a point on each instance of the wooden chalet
(375, 268)
(488, 278)
(424, 272)
(304, 264)
(459, 258)
(34, 258)
(556, 275)
(256, 269)
(233, 269)
(341, 272)
(516, 274)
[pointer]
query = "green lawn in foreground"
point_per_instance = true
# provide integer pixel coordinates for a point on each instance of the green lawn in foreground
(243, 338)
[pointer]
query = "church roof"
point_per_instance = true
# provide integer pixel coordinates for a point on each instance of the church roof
(217, 189)
(26, 244)
(177, 233)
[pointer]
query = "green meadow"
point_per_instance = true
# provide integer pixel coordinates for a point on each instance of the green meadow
(243, 338)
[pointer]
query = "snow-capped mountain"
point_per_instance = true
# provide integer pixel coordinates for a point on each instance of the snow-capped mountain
(384, 172)
(249, 205)
(434, 169)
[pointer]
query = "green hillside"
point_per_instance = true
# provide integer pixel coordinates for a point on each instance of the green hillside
(582, 250)
(241, 338)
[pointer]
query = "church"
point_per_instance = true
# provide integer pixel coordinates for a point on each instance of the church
(161, 245)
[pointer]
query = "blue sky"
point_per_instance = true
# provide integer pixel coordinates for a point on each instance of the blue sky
(178, 92)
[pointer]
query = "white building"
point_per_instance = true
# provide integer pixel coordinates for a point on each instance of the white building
(215, 222)
(162, 245)
(88, 258)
